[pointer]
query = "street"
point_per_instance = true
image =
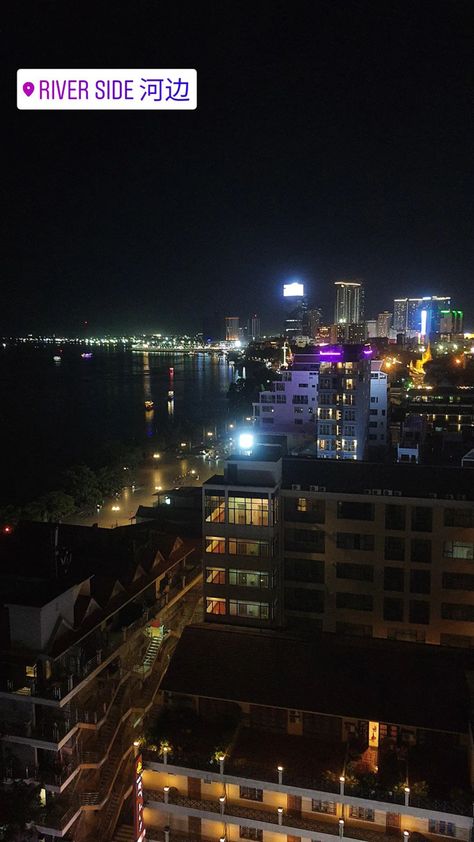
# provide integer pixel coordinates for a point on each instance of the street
(159, 473)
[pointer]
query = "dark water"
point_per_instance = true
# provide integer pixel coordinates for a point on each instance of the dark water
(55, 414)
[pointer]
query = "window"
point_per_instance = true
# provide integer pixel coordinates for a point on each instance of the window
(251, 610)
(458, 549)
(300, 399)
(250, 833)
(305, 540)
(251, 793)
(249, 578)
(248, 511)
(359, 572)
(354, 541)
(356, 601)
(452, 611)
(355, 511)
(421, 519)
(30, 671)
(443, 828)
(420, 581)
(365, 814)
(393, 579)
(420, 550)
(394, 548)
(461, 640)
(419, 611)
(304, 570)
(393, 609)
(215, 606)
(395, 517)
(305, 510)
(252, 548)
(328, 807)
(215, 575)
(214, 507)
(463, 518)
(215, 545)
(308, 600)
(458, 581)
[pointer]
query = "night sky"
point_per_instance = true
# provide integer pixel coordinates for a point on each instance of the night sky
(332, 139)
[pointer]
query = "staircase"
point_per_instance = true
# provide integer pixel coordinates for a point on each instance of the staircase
(125, 833)
(150, 655)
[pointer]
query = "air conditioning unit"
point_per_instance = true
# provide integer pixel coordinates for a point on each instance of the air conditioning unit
(397, 493)
(317, 488)
(449, 496)
(388, 492)
(295, 487)
(376, 491)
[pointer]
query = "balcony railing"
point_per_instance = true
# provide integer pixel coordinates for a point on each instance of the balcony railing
(60, 684)
(256, 772)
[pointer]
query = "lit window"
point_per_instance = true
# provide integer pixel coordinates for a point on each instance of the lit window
(215, 606)
(215, 545)
(214, 508)
(251, 610)
(458, 549)
(215, 575)
(249, 578)
(302, 504)
(249, 511)
(252, 548)
(31, 671)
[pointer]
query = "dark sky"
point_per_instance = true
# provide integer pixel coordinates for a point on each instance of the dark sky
(332, 139)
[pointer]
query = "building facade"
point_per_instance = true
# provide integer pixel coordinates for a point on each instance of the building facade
(232, 328)
(364, 549)
(343, 402)
(241, 533)
(349, 307)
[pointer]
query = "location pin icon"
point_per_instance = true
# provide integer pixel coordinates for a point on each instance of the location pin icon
(28, 88)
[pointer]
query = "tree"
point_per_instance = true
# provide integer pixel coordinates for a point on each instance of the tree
(83, 486)
(55, 506)
(19, 806)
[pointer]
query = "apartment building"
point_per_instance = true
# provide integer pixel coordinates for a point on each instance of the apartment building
(241, 533)
(357, 548)
(272, 738)
(86, 616)
(343, 401)
(335, 399)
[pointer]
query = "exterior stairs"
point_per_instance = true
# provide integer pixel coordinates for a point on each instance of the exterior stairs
(124, 833)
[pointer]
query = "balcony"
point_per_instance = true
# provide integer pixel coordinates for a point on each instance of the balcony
(290, 821)
(312, 764)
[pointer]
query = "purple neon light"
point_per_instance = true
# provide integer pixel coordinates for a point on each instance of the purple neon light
(330, 353)
(368, 351)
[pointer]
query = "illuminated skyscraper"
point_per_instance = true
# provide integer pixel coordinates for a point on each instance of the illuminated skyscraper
(232, 328)
(420, 315)
(296, 309)
(254, 328)
(349, 307)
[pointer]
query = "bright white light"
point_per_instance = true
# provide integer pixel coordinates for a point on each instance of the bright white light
(246, 441)
(424, 320)
(115, 508)
(293, 290)
(157, 456)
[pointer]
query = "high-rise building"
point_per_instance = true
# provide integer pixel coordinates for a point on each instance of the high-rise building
(242, 548)
(384, 321)
(315, 318)
(296, 310)
(232, 331)
(420, 315)
(451, 322)
(349, 307)
(343, 401)
(253, 331)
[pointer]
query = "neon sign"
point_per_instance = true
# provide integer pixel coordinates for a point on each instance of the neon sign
(140, 830)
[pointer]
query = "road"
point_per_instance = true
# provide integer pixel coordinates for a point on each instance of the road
(158, 474)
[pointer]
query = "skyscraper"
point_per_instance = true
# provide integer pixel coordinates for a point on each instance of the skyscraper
(232, 328)
(349, 307)
(383, 323)
(315, 318)
(296, 309)
(421, 315)
(253, 331)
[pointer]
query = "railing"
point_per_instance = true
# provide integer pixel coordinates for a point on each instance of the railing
(58, 686)
(301, 780)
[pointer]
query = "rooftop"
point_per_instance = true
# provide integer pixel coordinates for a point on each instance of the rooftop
(377, 680)
(358, 477)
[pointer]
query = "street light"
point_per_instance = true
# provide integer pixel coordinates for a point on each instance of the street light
(341, 828)
(280, 774)
(280, 815)
(222, 803)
